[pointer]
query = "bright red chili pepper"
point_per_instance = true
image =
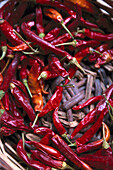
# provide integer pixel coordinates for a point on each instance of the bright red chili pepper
(8, 31)
(47, 74)
(88, 102)
(33, 163)
(68, 152)
(4, 131)
(48, 149)
(53, 102)
(95, 144)
(44, 131)
(46, 140)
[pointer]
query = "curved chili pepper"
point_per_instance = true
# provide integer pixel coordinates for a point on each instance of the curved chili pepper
(97, 35)
(53, 102)
(46, 140)
(44, 131)
(8, 31)
(95, 144)
(2, 9)
(39, 22)
(48, 149)
(47, 74)
(11, 72)
(22, 99)
(46, 159)
(33, 163)
(88, 102)
(58, 125)
(19, 47)
(4, 131)
(68, 152)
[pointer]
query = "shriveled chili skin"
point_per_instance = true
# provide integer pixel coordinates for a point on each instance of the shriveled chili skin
(68, 152)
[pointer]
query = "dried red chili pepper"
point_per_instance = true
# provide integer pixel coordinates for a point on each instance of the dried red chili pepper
(53, 102)
(47, 74)
(68, 152)
(95, 144)
(11, 71)
(97, 35)
(5, 101)
(44, 131)
(88, 102)
(46, 140)
(33, 163)
(48, 149)
(19, 47)
(22, 99)
(4, 131)
(106, 57)
(2, 9)
(46, 159)
(39, 22)
(8, 31)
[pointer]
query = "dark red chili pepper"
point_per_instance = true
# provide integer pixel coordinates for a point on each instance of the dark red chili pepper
(39, 22)
(88, 102)
(94, 145)
(22, 99)
(5, 101)
(53, 102)
(16, 124)
(100, 162)
(46, 159)
(8, 31)
(72, 70)
(68, 152)
(47, 149)
(4, 131)
(11, 71)
(33, 163)
(2, 9)
(97, 35)
(57, 123)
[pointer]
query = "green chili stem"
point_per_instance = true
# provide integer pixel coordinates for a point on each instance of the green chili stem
(27, 87)
(36, 118)
(4, 50)
(105, 144)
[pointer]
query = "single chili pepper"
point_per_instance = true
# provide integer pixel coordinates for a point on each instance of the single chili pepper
(42, 86)
(63, 7)
(46, 140)
(10, 72)
(22, 99)
(47, 74)
(5, 101)
(19, 47)
(97, 35)
(8, 31)
(55, 66)
(90, 132)
(47, 149)
(46, 159)
(88, 102)
(53, 102)
(57, 123)
(39, 22)
(56, 16)
(51, 35)
(9, 121)
(44, 131)
(68, 152)
(33, 163)
(100, 162)
(106, 57)
(94, 145)
(34, 86)
(4, 131)
(47, 46)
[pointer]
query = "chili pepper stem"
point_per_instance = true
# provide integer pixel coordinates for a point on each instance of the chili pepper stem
(41, 35)
(93, 50)
(4, 50)
(25, 42)
(8, 61)
(2, 93)
(27, 87)
(36, 118)
(63, 25)
(42, 75)
(23, 139)
(73, 43)
(1, 111)
(74, 61)
(105, 144)
(107, 102)
(66, 137)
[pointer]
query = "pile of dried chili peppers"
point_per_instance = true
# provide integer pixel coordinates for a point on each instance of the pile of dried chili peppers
(43, 41)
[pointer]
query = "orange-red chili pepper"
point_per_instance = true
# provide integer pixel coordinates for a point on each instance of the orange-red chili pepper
(19, 47)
